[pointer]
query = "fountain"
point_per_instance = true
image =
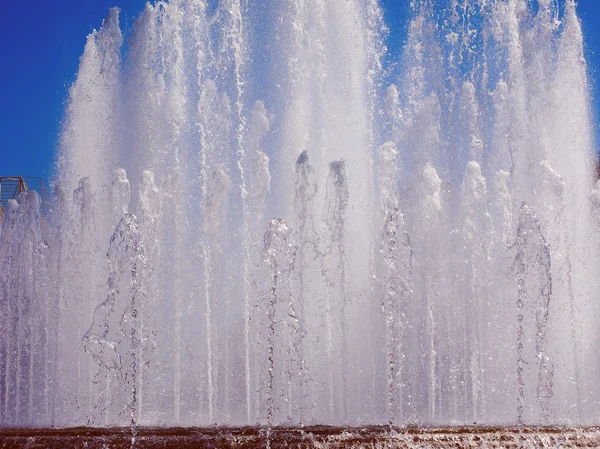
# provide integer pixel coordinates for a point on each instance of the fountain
(435, 253)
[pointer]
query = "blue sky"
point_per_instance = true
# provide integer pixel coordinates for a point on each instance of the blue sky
(40, 45)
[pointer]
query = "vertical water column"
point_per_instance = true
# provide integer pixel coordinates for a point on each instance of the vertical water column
(148, 212)
(106, 393)
(214, 114)
(79, 293)
(393, 116)
(535, 370)
(7, 386)
(302, 32)
(213, 122)
(90, 137)
(505, 143)
(229, 48)
(24, 309)
(424, 352)
(115, 335)
(88, 148)
(416, 125)
(350, 84)
(300, 60)
(21, 365)
(143, 86)
(31, 311)
(562, 339)
(256, 166)
(324, 55)
(44, 316)
(145, 89)
(60, 242)
(539, 48)
(470, 136)
(174, 225)
(516, 137)
(467, 212)
(394, 272)
(370, 395)
(418, 132)
(307, 268)
(334, 271)
(476, 237)
(464, 48)
(572, 155)
(211, 217)
(414, 108)
(43, 362)
(158, 87)
(192, 58)
(280, 330)
(501, 344)
(237, 45)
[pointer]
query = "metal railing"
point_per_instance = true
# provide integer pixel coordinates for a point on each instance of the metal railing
(12, 186)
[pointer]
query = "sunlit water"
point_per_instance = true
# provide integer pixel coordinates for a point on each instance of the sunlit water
(435, 256)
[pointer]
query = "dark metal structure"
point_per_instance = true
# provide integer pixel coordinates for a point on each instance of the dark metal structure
(13, 186)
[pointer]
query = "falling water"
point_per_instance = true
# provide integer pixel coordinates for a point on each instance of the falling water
(434, 256)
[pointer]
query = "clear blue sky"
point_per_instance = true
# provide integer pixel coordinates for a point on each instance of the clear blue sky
(40, 45)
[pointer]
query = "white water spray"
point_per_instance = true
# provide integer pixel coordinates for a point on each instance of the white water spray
(435, 256)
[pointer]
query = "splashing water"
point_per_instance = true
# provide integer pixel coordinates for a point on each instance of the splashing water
(435, 260)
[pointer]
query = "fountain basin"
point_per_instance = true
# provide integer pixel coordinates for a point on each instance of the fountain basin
(307, 437)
